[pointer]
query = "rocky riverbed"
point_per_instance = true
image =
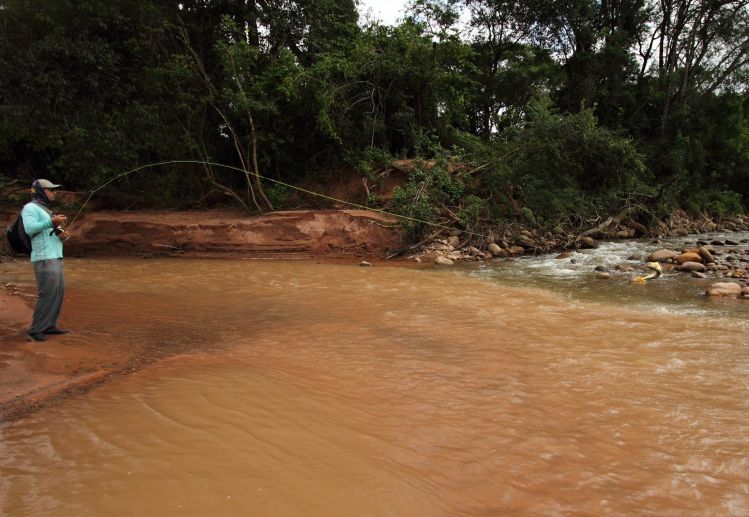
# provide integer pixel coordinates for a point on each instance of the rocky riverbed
(701, 249)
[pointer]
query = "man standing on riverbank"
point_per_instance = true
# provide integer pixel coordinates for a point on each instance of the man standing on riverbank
(46, 233)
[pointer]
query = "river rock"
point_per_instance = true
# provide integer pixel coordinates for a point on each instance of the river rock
(637, 227)
(717, 243)
(453, 240)
(745, 292)
(697, 274)
(623, 234)
(624, 268)
(586, 242)
(516, 250)
(707, 257)
(693, 266)
(602, 275)
(724, 290)
(564, 255)
(496, 251)
(688, 257)
(364, 263)
(443, 261)
(473, 250)
(729, 242)
(679, 232)
(662, 256)
(525, 241)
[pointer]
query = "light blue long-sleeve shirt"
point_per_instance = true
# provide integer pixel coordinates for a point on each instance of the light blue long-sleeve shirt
(38, 225)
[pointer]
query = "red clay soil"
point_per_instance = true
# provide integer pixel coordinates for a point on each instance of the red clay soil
(314, 232)
(34, 374)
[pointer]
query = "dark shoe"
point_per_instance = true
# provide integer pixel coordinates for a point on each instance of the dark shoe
(56, 330)
(38, 336)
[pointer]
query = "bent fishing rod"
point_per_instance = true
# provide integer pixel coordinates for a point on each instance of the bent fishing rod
(278, 182)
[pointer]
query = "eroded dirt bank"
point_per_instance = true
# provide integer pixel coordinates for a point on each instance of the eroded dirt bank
(313, 232)
(33, 374)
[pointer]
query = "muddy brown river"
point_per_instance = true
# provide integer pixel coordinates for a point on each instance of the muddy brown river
(324, 389)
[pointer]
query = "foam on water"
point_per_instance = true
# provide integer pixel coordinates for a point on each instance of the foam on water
(574, 275)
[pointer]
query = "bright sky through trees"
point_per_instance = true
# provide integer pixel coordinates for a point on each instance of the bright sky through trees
(387, 11)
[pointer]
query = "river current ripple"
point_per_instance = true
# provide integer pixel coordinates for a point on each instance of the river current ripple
(518, 388)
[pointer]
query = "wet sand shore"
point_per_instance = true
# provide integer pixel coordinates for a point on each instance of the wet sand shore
(33, 374)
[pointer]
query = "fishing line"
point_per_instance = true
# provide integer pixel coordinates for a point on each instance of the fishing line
(288, 185)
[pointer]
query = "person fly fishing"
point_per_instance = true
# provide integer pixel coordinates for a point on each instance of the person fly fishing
(47, 235)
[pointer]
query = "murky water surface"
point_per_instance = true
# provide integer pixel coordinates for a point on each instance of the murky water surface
(340, 390)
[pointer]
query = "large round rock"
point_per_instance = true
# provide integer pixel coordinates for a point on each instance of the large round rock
(693, 266)
(661, 256)
(724, 290)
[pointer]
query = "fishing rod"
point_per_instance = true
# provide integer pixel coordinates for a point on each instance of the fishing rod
(278, 182)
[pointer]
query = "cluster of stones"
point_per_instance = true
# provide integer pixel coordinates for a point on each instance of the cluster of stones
(446, 251)
(706, 259)
(714, 259)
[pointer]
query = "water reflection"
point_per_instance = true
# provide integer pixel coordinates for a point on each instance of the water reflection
(346, 391)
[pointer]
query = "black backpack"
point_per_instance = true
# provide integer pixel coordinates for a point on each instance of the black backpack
(18, 238)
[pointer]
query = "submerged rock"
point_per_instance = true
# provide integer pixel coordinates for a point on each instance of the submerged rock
(443, 261)
(724, 290)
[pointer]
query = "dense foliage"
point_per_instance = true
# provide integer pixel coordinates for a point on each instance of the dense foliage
(555, 111)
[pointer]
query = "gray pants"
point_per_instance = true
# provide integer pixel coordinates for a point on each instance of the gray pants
(50, 284)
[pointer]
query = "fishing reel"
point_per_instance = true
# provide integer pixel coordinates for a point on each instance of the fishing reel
(61, 233)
